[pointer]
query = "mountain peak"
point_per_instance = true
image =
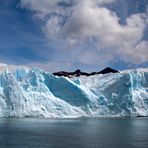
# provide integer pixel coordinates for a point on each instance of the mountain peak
(108, 70)
(78, 72)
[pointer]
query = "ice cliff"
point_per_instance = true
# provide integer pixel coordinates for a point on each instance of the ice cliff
(31, 92)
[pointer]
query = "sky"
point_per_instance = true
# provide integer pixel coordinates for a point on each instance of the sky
(66, 35)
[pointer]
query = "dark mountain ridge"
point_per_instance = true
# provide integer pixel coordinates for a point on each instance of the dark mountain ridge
(78, 72)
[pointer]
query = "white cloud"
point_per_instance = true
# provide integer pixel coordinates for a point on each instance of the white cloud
(44, 6)
(138, 54)
(89, 19)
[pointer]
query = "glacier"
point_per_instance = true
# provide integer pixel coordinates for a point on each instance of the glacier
(32, 92)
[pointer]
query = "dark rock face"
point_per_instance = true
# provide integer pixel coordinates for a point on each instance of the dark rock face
(78, 73)
(108, 70)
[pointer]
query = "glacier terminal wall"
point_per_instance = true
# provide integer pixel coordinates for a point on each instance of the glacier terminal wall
(32, 92)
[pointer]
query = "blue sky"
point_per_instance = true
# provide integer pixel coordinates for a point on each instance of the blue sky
(70, 34)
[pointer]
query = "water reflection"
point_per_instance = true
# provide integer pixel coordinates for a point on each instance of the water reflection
(74, 133)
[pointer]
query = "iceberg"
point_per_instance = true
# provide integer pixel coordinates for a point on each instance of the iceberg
(32, 92)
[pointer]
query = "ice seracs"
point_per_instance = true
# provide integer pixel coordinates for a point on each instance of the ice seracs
(32, 92)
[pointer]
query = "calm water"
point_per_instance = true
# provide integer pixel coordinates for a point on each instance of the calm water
(74, 133)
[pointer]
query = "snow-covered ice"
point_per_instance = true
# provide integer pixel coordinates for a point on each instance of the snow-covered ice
(32, 92)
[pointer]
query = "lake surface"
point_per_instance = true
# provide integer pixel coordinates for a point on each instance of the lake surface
(74, 133)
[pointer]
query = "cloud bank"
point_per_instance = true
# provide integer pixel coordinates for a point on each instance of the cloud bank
(74, 24)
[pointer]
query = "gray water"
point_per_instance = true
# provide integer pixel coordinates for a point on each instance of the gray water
(74, 133)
